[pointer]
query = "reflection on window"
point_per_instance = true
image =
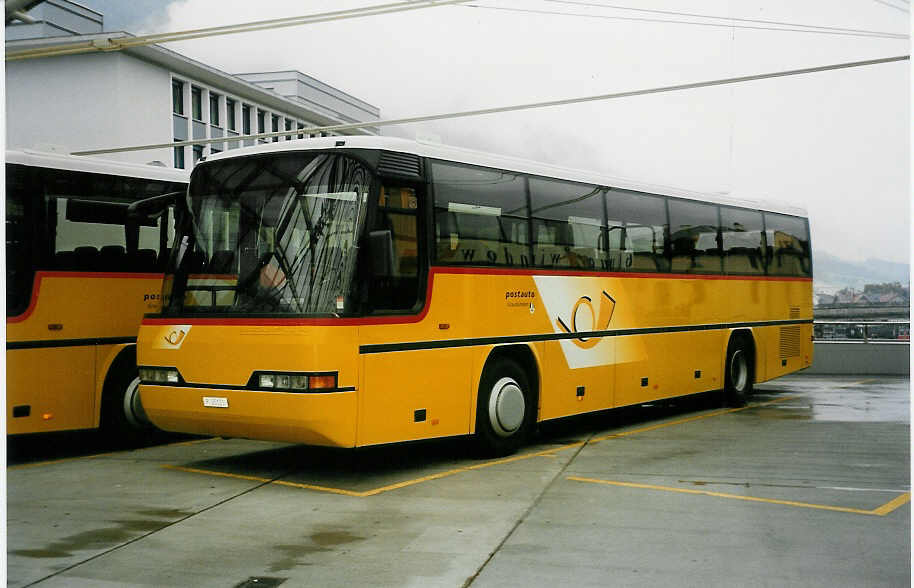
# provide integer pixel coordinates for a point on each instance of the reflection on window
(637, 232)
(742, 240)
(788, 245)
(272, 234)
(196, 103)
(177, 97)
(394, 248)
(568, 227)
(480, 216)
(19, 241)
(693, 237)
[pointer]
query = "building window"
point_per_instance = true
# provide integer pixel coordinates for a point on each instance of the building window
(261, 125)
(275, 126)
(179, 157)
(196, 103)
(230, 114)
(214, 109)
(198, 153)
(246, 119)
(300, 127)
(177, 97)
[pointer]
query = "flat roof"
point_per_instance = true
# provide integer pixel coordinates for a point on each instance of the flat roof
(469, 156)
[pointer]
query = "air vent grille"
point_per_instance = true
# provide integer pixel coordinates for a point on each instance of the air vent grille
(790, 342)
(404, 165)
(794, 312)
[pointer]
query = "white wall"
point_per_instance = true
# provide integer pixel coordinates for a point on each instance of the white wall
(82, 102)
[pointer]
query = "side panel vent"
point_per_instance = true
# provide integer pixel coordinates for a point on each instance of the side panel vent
(794, 312)
(790, 342)
(403, 165)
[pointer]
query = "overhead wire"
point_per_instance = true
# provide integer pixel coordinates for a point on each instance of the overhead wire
(513, 108)
(724, 18)
(686, 22)
(890, 5)
(118, 43)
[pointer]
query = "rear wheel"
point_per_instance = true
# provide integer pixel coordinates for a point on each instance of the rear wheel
(739, 372)
(504, 409)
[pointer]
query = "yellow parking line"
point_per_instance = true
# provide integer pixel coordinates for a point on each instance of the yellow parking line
(437, 476)
(689, 419)
(881, 511)
(107, 453)
(262, 479)
(893, 504)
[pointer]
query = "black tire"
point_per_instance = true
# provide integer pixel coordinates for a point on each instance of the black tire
(505, 408)
(123, 417)
(739, 372)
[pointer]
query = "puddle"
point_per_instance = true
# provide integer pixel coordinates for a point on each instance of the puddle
(93, 540)
(320, 541)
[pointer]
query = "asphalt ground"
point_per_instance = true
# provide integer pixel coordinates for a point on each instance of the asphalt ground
(809, 485)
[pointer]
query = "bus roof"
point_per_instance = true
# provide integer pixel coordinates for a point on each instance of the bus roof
(98, 166)
(468, 156)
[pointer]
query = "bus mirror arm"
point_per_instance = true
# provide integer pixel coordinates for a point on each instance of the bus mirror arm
(153, 207)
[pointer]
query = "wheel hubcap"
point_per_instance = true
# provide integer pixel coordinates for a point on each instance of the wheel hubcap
(133, 408)
(506, 407)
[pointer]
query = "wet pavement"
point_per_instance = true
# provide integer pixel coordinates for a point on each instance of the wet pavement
(807, 486)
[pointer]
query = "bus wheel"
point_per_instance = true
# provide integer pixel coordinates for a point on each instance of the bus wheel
(738, 375)
(504, 408)
(123, 416)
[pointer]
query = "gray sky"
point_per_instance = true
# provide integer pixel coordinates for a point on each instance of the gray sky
(837, 142)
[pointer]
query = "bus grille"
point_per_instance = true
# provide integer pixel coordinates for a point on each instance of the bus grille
(790, 342)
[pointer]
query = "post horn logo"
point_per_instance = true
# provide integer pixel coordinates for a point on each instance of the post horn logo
(175, 337)
(598, 322)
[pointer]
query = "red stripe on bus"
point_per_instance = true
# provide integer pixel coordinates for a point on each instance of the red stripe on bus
(597, 274)
(82, 275)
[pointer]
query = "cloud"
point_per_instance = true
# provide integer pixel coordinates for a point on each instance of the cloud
(835, 142)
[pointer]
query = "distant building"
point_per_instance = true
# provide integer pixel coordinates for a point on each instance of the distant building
(149, 95)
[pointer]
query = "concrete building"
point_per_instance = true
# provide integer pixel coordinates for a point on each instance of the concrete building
(149, 95)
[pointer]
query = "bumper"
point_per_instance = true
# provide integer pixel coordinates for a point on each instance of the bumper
(327, 419)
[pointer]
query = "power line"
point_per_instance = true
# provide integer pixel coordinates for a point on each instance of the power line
(727, 18)
(116, 44)
(891, 5)
(687, 22)
(500, 109)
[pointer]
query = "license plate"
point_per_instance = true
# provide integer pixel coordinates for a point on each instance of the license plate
(215, 402)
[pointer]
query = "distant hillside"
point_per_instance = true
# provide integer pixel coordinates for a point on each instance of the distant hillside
(833, 273)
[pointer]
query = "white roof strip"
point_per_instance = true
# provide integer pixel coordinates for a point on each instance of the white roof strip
(502, 162)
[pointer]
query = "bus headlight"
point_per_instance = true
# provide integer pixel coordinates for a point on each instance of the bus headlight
(294, 381)
(159, 375)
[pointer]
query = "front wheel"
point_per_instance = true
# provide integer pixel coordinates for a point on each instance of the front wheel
(504, 409)
(739, 372)
(123, 416)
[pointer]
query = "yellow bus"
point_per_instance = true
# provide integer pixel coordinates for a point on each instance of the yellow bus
(79, 278)
(354, 291)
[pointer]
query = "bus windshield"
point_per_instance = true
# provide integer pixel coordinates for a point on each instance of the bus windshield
(273, 234)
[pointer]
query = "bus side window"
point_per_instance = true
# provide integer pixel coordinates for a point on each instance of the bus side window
(481, 216)
(642, 236)
(21, 244)
(788, 245)
(693, 237)
(567, 225)
(394, 250)
(741, 238)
